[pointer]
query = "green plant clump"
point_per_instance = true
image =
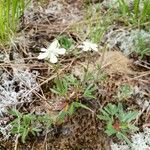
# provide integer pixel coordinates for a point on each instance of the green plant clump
(25, 124)
(62, 87)
(139, 14)
(65, 42)
(10, 13)
(143, 47)
(118, 122)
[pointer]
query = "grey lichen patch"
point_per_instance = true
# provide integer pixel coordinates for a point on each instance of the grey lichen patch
(140, 141)
(16, 90)
(126, 40)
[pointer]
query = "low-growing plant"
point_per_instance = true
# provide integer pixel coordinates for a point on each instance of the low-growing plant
(143, 47)
(118, 122)
(25, 124)
(89, 90)
(72, 80)
(61, 86)
(45, 120)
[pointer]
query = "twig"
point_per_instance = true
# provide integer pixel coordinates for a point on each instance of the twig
(16, 142)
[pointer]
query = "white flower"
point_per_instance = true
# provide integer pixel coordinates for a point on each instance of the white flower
(52, 52)
(88, 46)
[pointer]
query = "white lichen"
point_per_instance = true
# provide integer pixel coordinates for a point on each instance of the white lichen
(126, 40)
(5, 131)
(140, 141)
(15, 90)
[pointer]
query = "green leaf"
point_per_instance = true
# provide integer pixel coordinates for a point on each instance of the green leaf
(130, 116)
(62, 114)
(55, 91)
(65, 42)
(123, 137)
(104, 113)
(110, 129)
(133, 127)
(35, 130)
(46, 119)
(15, 113)
(124, 8)
(75, 105)
(24, 134)
(72, 80)
(61, 87)
(89, 90)
(111, 109)
(106, 118)
(136, 8)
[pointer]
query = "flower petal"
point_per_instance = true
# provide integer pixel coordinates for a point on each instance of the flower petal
(87, 43)
(42, 56)
(86, 49)
(54, 45)
(60, 51)
(94, 47)
(83, 47)
(53, 58)
(43, 49)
